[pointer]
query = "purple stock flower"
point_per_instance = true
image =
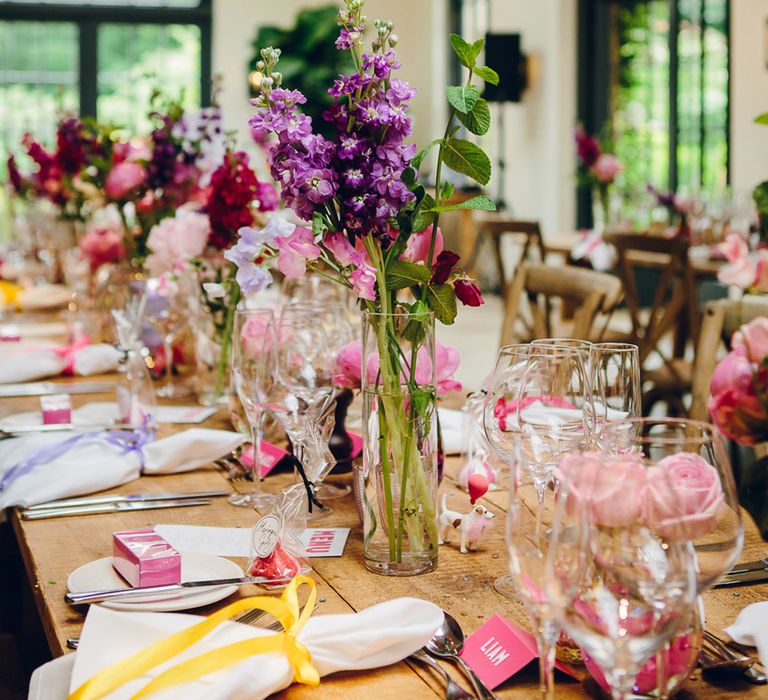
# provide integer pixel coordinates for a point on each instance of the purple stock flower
(349, 37)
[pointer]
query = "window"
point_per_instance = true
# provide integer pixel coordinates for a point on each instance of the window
(99, 58)
(654, 74)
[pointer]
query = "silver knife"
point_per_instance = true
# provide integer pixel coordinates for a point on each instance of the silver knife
(110, 508)
(43, 388)
(98, 596)
(59, 427)
(757, 576)
(123, 498)
(757, 565)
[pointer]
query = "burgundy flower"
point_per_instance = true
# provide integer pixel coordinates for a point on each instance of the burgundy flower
(587, 148)
(234, 186)
(443, 266)
(14, 176)
(468, 293)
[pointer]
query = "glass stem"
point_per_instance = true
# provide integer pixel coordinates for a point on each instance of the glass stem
(546, 637)
(256, 435)
(168, 347)
(662, 671)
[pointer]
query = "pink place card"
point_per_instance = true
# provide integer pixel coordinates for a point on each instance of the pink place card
(357, 444)
(270, 456)
(499, 649)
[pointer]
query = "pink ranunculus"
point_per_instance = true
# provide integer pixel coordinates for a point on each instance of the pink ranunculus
(175, 240)
(468, 293)
(611, 488)
(733, 248)
(294, 251)
(124, 179)
(417, 249)
(684, 497)
(363, 281)
(447, 360)
(734, 371)
(753, 338)
(606, 168)
(102, 245)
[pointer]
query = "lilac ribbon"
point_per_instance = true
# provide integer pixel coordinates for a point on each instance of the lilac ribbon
(126, 440)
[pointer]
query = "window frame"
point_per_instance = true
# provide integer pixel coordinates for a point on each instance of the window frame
(87, 18)
(596, 22)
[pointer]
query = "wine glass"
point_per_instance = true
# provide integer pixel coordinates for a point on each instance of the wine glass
(166, 310)
(249, 353)
(621, 575)
(615, 378)
(500, 421)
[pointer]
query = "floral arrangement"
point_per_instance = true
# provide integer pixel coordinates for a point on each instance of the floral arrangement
(373, 228)
(738, 402)
(746, 270)
(678, 206)
(597, 168)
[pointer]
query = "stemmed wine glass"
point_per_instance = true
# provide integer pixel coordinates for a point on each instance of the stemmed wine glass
(620, 571)
(615, 376)
(250, 352)
(166, 310)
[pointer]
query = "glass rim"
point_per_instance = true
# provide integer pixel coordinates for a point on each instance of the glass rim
(708, 431)
(615, 347)
(562, 342)
(400, 312)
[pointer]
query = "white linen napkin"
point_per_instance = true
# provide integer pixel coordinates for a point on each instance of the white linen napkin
(95, 465)
(23, 362)
(452, 430)
(378, 636)
(751, 629)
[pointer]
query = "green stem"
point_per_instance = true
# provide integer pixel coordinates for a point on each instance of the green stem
(222, 368)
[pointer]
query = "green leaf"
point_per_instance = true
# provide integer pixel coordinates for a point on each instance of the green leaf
(446, 191)
(409, 176)
(487, 74)
(462, 98)
(402, 274)
(318, 224)
(421, 400)
(762, 119)
(442, 300)
(424, 218)
(468, 159)
(463, 51)
(478, 121)
(476, 48)
(478, 203)
(422, 154)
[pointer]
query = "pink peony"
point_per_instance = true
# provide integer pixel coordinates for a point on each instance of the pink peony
(606, 168)
(174, 241)
(684, 497)
(753, 338)
(417, 249)
(294, 251)
(123, 180)
(612, 488)
(102, 245)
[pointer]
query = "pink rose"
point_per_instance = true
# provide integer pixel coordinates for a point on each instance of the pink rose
(606, 167)
(417, 249)
(739, 414)
(612, 488)
(176, 240)
(733, 248)
(753, 338)
(734, 371)
(740, 273)
(102, 245)
(684, 497)
(124, 179)
(294, 251)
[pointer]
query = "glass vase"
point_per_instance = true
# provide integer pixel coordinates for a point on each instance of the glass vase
(399, 444)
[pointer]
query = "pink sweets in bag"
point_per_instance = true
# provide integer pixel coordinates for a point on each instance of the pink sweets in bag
(143, 558)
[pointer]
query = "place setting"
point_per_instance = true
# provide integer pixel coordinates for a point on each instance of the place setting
(352, 375)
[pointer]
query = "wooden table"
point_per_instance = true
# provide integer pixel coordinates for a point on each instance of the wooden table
(462, 584)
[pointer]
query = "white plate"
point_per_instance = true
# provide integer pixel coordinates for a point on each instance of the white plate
(99, 575)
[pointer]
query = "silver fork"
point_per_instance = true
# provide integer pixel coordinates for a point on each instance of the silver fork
(453, 691)
(236, 472)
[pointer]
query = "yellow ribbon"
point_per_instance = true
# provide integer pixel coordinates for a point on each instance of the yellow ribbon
(285, 609)
(10, 294)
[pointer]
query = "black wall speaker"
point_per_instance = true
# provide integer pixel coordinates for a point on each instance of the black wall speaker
(503, 54)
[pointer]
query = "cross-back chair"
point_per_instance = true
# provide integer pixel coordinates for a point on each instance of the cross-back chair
(591, 293)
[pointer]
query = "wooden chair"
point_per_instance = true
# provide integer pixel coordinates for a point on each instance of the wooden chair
(496, 229)
(591, 293)
(673, 309)
(721, 320)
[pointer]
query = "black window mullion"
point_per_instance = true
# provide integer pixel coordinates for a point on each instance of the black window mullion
(674, 30)
(89, 51)
(206, 62)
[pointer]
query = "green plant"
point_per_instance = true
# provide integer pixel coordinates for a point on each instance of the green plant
(310, 62)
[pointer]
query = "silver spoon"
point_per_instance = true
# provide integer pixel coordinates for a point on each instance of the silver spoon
(727, 652)
(447, 643)
(453, 691)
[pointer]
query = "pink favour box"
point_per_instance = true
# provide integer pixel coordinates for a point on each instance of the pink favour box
(143, 558)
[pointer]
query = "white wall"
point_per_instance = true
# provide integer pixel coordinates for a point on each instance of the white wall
(749, 93)
(420, 24)
(539, 149)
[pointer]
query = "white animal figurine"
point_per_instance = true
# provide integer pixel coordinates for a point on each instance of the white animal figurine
(470, 525)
